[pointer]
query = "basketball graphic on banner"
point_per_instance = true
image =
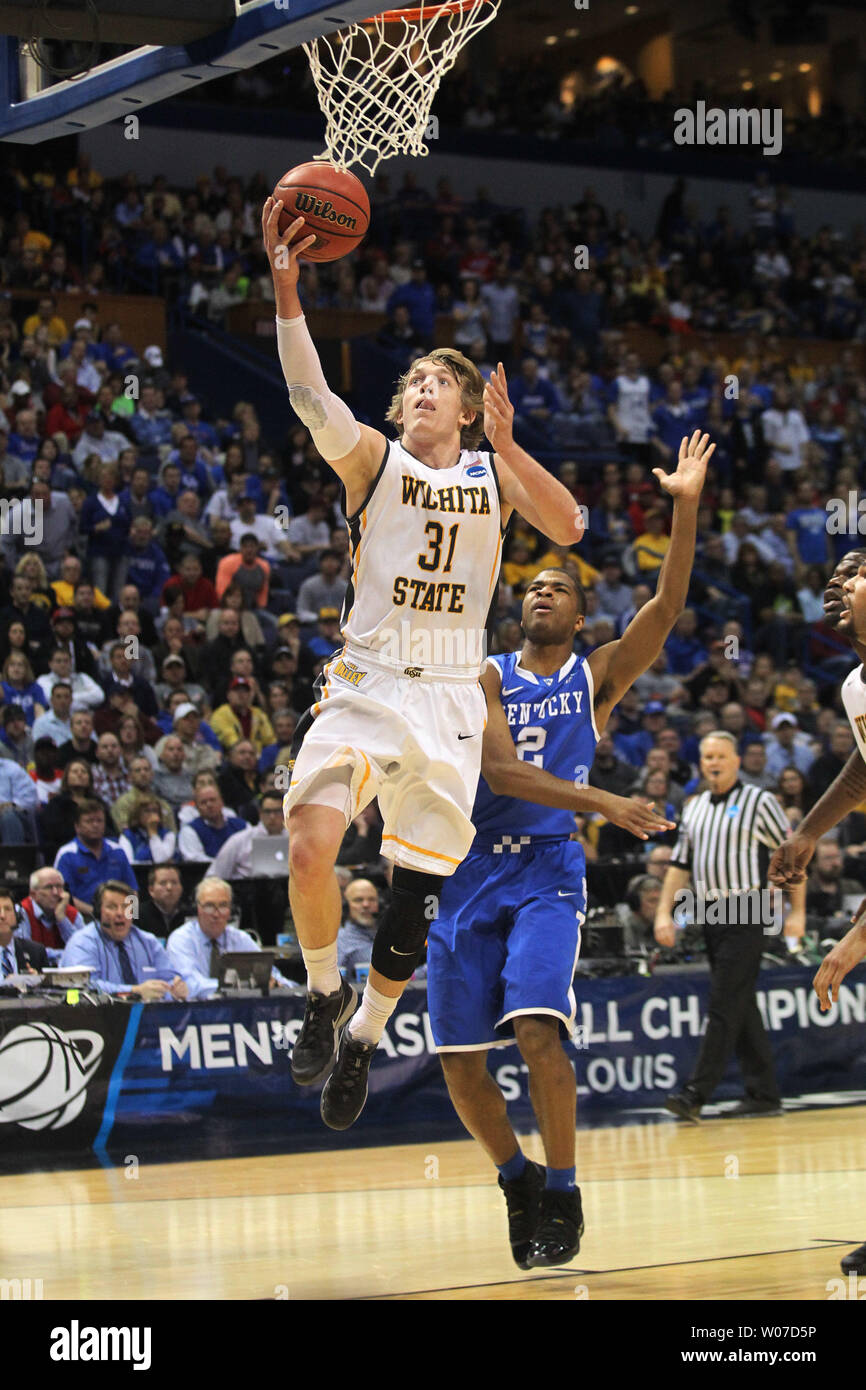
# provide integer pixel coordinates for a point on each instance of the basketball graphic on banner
(44, 1074)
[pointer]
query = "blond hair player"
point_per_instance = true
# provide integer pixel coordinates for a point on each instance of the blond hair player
(402, 712)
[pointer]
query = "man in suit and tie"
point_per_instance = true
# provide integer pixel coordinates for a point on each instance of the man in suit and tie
(125, 959)
(17, 955)
(195, 948)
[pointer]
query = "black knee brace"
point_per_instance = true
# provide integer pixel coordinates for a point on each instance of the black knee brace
(400, 939)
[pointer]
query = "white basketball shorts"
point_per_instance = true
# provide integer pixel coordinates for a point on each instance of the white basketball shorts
(412, 740)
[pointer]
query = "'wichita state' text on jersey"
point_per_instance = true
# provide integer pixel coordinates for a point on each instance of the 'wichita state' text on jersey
(425, 548)
(552, 723)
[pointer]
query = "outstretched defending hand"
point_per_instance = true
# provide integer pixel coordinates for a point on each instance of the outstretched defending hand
(283, 251)
(639, 817)
(688, 481)
(844, 956)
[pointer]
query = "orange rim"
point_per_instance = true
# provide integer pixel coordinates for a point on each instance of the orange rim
(430, 12)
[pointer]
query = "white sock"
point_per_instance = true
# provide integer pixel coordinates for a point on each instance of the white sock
(323, 977)
(368, 1024)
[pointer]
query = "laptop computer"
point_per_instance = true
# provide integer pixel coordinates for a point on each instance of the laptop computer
(246, 970)
(269, 856)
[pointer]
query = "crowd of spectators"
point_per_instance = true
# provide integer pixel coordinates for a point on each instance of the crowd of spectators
(556, 95)
(510, 286)
(159, 644)
(171, 952)
(562, 101)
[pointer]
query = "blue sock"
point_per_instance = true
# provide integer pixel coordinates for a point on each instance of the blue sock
(513, 1168)
(560, 1179)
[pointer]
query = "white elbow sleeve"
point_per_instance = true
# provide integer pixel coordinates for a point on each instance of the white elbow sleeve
(334, 428)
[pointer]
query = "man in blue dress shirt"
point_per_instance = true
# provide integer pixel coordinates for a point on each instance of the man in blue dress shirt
(90, 859)
(121, 953)
(194, 947)
(18, 804)
(55, 723)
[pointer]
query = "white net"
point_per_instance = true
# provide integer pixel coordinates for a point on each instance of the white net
(377, 80)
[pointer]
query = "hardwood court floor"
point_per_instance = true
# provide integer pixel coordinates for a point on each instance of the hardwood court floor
(756, 1209)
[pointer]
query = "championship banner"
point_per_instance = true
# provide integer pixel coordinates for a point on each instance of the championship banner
(218, 1074)
(216, 1078)
(213, 1079)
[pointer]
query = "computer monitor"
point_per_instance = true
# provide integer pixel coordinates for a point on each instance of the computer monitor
(269, 856)
(603, 938)
(17, 863)
(245, 970)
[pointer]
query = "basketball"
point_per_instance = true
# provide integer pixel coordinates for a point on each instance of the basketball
(335, 206)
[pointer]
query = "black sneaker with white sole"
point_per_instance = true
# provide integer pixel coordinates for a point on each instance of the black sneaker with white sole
(316, 1048)
(345, 1093)
(522, 1198)
(560, 1227)
(855, 1261)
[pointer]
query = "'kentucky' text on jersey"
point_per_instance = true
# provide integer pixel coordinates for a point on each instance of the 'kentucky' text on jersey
(552, 723)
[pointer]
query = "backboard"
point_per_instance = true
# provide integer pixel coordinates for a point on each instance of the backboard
(31, 112)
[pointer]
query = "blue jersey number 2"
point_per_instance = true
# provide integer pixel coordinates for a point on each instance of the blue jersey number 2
(529, 745)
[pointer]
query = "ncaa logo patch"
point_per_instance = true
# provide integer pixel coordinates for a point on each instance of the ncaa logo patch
(476, 471)
(45, 1074)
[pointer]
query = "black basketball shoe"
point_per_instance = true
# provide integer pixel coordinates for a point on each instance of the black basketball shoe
(685, 1105)
(345, 1093)
(750, 1107)
(855, 1262)
(560, 1227)
(314, 1052)
(522, 1197)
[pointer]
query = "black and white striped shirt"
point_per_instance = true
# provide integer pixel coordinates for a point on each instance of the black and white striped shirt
(725, 839)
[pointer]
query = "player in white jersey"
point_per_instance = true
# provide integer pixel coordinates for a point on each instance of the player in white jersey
(629, 412)
(844, 609)
(402, 712)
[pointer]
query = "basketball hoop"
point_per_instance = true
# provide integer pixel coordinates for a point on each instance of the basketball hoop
(377, 81)
(432, 11)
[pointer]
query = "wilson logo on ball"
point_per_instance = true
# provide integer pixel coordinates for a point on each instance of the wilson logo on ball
(306, 202)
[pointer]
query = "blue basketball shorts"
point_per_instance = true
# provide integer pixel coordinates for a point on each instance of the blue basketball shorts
(505, 943)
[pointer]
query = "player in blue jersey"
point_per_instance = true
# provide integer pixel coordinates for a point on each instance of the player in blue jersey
(503, 948)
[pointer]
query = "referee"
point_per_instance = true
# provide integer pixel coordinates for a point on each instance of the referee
(726, 836)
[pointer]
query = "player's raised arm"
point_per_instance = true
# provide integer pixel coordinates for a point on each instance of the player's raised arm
(353, 450)
(526, 487)
(508, 775)
(616, 666)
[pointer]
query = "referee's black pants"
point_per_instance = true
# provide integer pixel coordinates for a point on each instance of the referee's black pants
(733, 1020)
